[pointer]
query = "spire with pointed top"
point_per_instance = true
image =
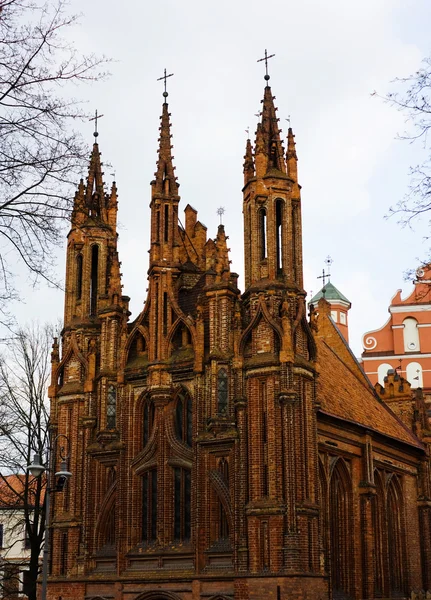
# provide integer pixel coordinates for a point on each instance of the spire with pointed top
(268, 142)
(292, 158)
(94, 192)
(248, 163)
(165, 182)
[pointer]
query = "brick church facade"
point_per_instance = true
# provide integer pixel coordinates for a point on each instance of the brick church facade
(225, 446)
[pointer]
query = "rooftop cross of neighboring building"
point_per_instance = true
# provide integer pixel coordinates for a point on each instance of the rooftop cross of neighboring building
(95, 119)
(164, 77)
(266, 58)
(328, 262)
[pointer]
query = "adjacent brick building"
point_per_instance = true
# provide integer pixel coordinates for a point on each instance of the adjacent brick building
(223, 445)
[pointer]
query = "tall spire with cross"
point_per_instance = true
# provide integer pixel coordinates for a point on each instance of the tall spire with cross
(164, 194)
(268, 141)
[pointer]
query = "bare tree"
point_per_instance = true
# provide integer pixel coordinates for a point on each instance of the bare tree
(40, 153)
(24, 431)
(414, 100)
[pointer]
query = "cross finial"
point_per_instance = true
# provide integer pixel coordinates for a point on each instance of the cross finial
(164, 77)
(266, 58)
(95, 119)
(248, 132)
(328, 262)
(220, 212)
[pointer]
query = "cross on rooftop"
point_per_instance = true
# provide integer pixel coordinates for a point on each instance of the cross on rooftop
(266, 58)
(95, 119)
(164, 77)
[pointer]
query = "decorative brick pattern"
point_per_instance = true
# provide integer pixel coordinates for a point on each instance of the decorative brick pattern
(293, 463)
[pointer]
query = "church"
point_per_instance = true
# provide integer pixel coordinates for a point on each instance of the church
(226, 445)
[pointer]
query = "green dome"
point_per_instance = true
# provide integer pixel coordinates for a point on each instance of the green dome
(331, 293)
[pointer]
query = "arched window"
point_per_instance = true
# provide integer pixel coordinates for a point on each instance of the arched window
(262, 231)
(111, 408)
(411, 335)
(79, 277)
(183, 418)
(279, 233)
(382, 371)
(94, 278)
(414, 375)
(223, 468)
(222, 392)
(148, 421)
(182, 504)
(149, 506)
(340, 530)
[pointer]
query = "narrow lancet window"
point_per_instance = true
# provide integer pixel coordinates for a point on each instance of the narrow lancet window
(262, 230)
(182, 504)
(166, 222)
(223, 468)
(94, 279)
(79, 277)
(222, 392)
(279, 234)
(148, 421)
(149, 506)
(111, 408)
(183, 418)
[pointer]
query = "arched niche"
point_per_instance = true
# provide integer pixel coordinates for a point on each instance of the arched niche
(411, 335)
(137, 355)
(181, 343)
(414, 375)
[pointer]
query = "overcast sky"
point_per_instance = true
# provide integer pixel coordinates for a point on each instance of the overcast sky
(330, 57)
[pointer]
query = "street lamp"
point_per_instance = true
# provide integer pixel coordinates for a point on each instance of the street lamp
(61, 477)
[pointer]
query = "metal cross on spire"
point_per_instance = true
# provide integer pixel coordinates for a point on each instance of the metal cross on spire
(95, 119)
(266, 58)
(220, 212)
(328, 262)
(164, 77)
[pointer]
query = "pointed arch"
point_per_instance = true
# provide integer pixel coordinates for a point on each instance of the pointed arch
(181, 337)
(72, 350)
(106, 521)
(262, 312)
(341, 531)
(394, 512)
(136, 347)
(377, 515)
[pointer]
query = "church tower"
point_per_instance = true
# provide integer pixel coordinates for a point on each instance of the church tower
(278, 357)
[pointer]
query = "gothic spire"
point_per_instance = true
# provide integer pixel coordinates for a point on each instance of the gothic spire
(165, 182)
(272, 146)
(94, 192)
(248, 163)
(292, 158)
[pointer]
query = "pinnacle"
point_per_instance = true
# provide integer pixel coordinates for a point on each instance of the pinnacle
(268, 135)
(165, 178)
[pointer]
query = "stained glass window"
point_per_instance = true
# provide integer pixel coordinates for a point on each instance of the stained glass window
(222, 391)
(111, 408)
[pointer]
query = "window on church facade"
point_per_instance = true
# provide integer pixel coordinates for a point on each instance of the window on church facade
(262, 231)
(223, 468)
(222, 391)
(183, 418)
(149, 506)
(182, 504)
(94, 279)
(341, 530)
(148, 421)
(79, 277)
(111, 408)
(279, 233)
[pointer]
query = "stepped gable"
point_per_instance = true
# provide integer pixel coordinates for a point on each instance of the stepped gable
(343, 395)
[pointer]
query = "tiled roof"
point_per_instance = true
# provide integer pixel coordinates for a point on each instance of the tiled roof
(331, 293)
(12, 490)
(342, 394)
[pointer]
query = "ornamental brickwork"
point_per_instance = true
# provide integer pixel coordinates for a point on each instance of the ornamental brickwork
(223, 445)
